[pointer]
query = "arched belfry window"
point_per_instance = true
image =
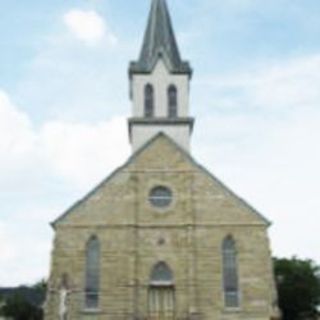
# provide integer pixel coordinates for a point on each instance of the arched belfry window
(92, 273)
(230, 273)
(161, 295)
(148, 101)
(172, 102)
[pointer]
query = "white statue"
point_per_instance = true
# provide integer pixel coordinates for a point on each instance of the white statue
(64, 290)
(63, 306)
(64, 293)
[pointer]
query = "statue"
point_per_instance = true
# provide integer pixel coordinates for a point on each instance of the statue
(63, 298)
(63, 290)
(63, 305)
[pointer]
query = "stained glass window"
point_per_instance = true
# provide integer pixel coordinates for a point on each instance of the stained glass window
(92, 273)
(230, 273)
(160, 197)
(161, 273)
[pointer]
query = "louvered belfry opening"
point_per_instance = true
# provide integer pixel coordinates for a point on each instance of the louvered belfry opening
(172, 102)
(161, 293)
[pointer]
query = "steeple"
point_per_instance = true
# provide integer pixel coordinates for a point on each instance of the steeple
(159, 85)
(159, 42)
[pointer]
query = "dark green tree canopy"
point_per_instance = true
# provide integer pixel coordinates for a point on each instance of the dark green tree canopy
(23, 303)
(298, 287)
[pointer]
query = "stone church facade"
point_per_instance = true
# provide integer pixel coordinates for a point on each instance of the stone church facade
(161, 238)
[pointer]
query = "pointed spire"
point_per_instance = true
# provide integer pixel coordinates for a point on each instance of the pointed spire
(159, 41)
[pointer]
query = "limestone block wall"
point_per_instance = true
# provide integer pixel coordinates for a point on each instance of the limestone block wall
(197, 269)
(187, 235)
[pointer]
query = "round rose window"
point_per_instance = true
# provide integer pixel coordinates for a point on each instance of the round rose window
(160, 197)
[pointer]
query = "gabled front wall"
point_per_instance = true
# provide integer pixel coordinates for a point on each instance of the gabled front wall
(188, 237)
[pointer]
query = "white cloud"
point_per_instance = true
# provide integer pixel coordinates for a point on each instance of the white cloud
(292, 84)
(281, 85)
(264, 143)
(88, 26)
(6, 248)
(274, 167)
(27, 238)
(85, 153)
(17, 137)
(76, 154)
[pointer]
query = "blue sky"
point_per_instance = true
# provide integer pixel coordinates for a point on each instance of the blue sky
(64, 100)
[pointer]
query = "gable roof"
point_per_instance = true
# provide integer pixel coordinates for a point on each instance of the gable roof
(159, 42)
(186, 154)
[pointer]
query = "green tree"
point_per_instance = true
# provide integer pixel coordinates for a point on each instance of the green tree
(1, 304)
(25, 303)
(298, 287)
(40, 286)
(18, 308)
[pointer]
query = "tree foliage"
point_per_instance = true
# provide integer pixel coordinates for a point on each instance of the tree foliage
(18, 308)
(298, 287)
(25, 303)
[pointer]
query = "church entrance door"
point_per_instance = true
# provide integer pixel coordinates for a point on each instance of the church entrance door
(161, 294)
(161, 303)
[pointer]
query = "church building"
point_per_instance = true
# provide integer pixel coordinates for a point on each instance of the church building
(161, 238)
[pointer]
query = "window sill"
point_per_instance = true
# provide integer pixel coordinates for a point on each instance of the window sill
(232, 309)
(91, 311)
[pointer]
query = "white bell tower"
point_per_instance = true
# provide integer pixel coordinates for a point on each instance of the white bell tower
(159, 85)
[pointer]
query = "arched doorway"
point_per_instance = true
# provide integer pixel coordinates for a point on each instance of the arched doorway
(161, 293)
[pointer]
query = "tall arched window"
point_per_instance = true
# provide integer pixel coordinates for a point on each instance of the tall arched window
(92, 273)
(148, 101)
(172, 102)
(230, 273)
(161, 297)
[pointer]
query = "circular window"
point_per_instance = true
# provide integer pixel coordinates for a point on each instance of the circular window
(160, 197)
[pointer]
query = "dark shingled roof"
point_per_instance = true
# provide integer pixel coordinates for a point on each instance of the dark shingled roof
(159, 41)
